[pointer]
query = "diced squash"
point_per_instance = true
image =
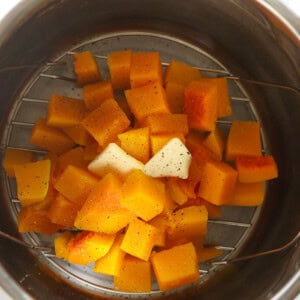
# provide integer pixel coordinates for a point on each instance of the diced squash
(78, 134)
(161, 225)
(214, 141)
(207, 253)
(214, 211)
(142, 195)
(189, 223)
(61, 244)
(32, 220)
(134, 276)
(102, 211)
(248, 194)
(49, 138)
(176, 266)
(200, 105)
(158, 141)
(145, 68)
(87, 247)
(75, 184)
(136, 142)
(125, 107)
(167, 123)
(181, 73)
(243, 139)
(175, 97)
(187, 186)
(217, 183)
(96, 93)
(86, 68)
(139, 239)
(91, 150)
(173, 159)
(33, 181)
(194, 139)
(175, 191)
(256, 168)
(64, 111)
(114, 159)
(106, 122)
(111, 263)
(146, 100)
(62, 211)
(170, 205)
(119, 64)
(15, 157)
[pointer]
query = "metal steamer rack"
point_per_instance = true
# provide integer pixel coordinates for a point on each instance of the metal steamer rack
(228, 232)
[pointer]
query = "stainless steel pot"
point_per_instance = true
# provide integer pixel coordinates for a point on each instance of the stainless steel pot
(252, 39)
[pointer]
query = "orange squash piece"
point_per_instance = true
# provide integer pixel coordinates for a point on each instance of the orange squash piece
(49, 138)
(91, 150)
(62, 211)
(61, 244)
(181, 73)
(134, 276)
(248, 194)
(207, 253)
(200, 105)
(96, 93)
(143, 195)
(86, 68)
(145, 68)
(78, 134)
(32, 220)
(193, 140)
(167, 123)
(176, 266)
(106, 122)
(15, 157)
(139, 239)
(256, 168)
(175, 191)
(175, 97)
(136, 142)
(217, 182)
(87, 247)
(102, 211)
(214, 211)
(160, 140)
(64, 111)
(75, 184)
(110, 263)
(33, 181)
(119, 65)
(243, 139)
(214, 141)
(146, 100)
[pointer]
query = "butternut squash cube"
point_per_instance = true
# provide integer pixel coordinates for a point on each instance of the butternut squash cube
(61, 244)
(33, 220)
(193, 140)
(110, 263)
(139, 239)
(78, 134)
(62, 211)
(33, 181)
(161, 222)
(175, 267)
(175, 97)
(217, 182)
(207, 253)
(214, 141)
(142, 195)
(86, 68)
(119, 64)
(256, 168)
(134, 276)
(87, 247)
(91, 150)
(102, 211)
(167, 123)
(64, 111)
(213, 211)
(49, 138)
(146, 100)
(15, 157)
(158, 141)
(243, 139)
(106, 122)
(75, 184)
(136, 142)
(181, 73)
(175, 191)
(96, 93)
(248, 194)
(200, 105)
(145, 68)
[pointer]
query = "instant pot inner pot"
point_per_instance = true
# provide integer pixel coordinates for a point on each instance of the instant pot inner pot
(231, 37)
